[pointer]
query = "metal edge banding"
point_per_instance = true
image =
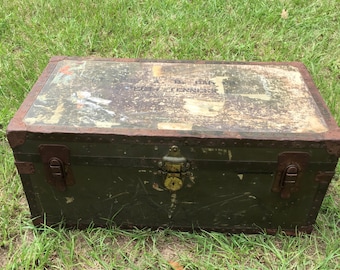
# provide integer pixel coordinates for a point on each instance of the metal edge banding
(16, 137)
(265, 135)
(333, 134)
(311, 137)
(318, 99)
(25, 167)
(17, 129)
(177, 138)
(58, 58)
(204, 62)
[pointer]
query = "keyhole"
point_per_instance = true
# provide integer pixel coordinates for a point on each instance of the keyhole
(173, 183)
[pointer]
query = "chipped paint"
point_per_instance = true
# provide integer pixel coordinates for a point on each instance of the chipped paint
(105, 124)
(69, 199)
(203, 107)
(58, 113)
(184, 202)
(219, 151)
(207, 107)
(240, 176)
(219, 84)
(155, 186)
(230, 155)
(115, 196)
(157, 71)
(173, 204)
(177, 96)
(98, 100)
(175, 126)
(256, 96)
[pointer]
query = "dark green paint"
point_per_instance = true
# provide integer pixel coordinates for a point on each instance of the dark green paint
(230, 121)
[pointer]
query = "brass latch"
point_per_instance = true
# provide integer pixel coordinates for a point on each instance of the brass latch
(175, 168)
(56, 160)
(291, 166)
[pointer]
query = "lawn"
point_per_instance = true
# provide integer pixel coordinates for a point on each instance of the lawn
(32, 31)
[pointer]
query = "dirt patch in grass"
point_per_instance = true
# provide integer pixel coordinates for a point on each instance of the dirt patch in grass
(3, 255)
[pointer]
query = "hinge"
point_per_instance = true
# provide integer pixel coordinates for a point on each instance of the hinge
(291, 166)
(56, 161)
(24, 167)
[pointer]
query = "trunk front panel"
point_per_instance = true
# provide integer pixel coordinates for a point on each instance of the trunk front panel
(227, 188)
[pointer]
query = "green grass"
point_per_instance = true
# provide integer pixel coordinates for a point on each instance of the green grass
(34, 30)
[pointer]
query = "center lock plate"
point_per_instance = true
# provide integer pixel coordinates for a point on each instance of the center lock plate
(175, 168)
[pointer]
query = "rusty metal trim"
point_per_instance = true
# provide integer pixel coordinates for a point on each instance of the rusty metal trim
(171, 137)
(333, 132)
(268, 136)
(16, 138)
(16, 124)
(321, 104)
(333, 147)
(324, 177)
(24, 167)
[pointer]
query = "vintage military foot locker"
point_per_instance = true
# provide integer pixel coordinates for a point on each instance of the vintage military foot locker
(234, 147)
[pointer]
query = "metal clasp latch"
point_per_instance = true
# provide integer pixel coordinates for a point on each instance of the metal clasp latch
(290, 176)
(289, 171)
(56, 160)
(57, 171)
(175, 167)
